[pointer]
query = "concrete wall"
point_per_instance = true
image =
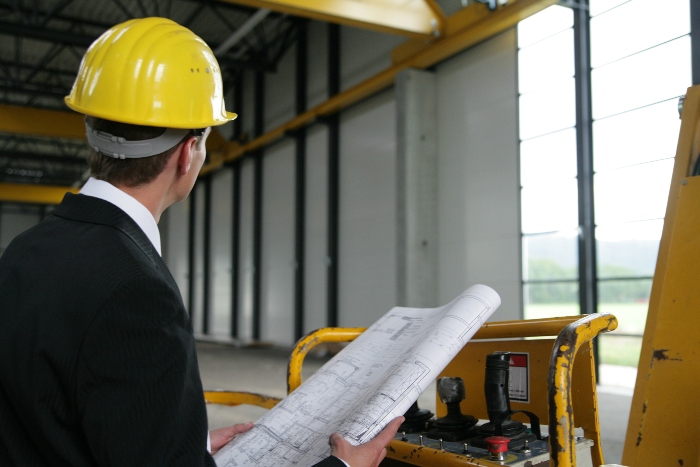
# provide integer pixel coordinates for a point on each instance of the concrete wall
(15, 219)
(479, 195)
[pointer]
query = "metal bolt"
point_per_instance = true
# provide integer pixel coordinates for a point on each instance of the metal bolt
(526, 448)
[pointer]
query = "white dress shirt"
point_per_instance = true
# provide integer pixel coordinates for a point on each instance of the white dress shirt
(134, 209)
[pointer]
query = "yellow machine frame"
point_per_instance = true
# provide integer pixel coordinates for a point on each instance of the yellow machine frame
(663, 426)
(567, 392)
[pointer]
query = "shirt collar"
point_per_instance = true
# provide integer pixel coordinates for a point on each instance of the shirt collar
(134, 209)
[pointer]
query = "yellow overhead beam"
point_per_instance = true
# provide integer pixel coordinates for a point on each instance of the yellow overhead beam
(419, 18)
(39, 194)
(41, 122)
(58, 124)
(469, 27)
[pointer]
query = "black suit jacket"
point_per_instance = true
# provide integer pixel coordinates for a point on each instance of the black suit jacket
(97, 356)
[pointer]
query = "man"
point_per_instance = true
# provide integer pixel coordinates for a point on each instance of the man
(97, 356)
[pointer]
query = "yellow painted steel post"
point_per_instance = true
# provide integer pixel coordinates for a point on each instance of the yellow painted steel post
(41, 122)
(663, 427)
(415, 18)
(562, 445)
(39, 194)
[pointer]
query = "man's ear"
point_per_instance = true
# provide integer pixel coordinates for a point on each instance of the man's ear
(186, 155)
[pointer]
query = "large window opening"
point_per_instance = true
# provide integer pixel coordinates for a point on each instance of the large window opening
(640, 64)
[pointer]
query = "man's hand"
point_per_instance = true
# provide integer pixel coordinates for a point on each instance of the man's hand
(369, 454)
(221, 436)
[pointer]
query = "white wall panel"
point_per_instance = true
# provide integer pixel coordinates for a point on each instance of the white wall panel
(280, 91)
(367, 263)
(220, 253)
(277, 263)
(245, 253)
(478, 168)
(317, 79)
(174, 227)
(316, 236)
(364, 53)
(16, 219)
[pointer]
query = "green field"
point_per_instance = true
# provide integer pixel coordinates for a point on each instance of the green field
(613, 349)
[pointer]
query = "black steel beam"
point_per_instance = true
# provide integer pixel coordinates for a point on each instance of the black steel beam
(584, 143)
(588, 274)
(41, 92)
(300, 182)
(333, 177)
(235, 245)
(236, 209)
(18, 157)
(259, 128)
(206, 255)
(695, 39)
(45, 34)
(191, 253)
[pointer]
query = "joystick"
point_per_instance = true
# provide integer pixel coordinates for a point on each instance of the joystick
(455, 425)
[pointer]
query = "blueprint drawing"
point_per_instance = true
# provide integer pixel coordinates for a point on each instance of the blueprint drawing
(373, 380)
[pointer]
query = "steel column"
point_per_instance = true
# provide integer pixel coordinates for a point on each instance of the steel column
(236, 211)
(695, 40)
(191, 263)
(333, 177)
(235, 244)
(300, 183)
(206, 252)
(588, 274)
(584, 138)
(258, 204)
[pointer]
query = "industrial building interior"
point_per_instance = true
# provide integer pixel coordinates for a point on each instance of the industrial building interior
(393, 153)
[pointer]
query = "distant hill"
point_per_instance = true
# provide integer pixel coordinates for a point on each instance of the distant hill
(637, 256)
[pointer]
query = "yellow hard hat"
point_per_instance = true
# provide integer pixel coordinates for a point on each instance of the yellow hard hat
(151, 71)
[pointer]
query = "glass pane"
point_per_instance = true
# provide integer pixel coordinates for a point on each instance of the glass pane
(544, 24)
(551, 300)
(548, 110)
(550, 256)
(596, 7)
(537, 66)
(550, 207)
(628, 300)
(618, 350)
(636, 26)
(645, 78)
(634, 193)
(548, 157)
(628, 250)
(644, 135)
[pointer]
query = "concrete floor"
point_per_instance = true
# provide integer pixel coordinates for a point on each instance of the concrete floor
(264, 370)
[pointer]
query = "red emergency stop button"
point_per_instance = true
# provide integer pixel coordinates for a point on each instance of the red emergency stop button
(497, 446)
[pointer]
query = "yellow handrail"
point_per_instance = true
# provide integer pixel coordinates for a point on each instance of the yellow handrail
(562, 445)
(234, 398)
(308, 342)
